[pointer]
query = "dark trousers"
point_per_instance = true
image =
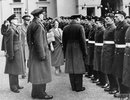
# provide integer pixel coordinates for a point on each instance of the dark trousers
(112, 82)
(90, 70)
(38, 90)
(102, 77)
(13, 82)
(123, 88)
(76, 81)
(96, 74)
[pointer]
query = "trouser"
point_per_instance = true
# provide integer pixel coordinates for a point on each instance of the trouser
(13, 81)
(123, 88)
(38, 89)
(112, 82)
(90, 70)
(76, 81)
(96, 74)
(102, 78)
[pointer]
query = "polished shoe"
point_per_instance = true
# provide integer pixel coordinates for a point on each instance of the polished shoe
(20, 87)
(95, 81)
(117, 95)
(15, 90)
(83, 88)
(43, 97)
(113, 91)
(107, 89)
(105, 86)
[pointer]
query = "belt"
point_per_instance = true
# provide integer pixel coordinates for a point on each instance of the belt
(120, 45)
(108, 42)
(86, 39)
(91, 42)
(128, 44)
(98, 44)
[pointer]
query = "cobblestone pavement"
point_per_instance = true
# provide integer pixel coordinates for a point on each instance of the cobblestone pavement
(59, 88)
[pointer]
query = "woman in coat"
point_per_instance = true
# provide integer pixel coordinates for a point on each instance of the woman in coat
(57, 57)
(39, 59)
(75, 52)
(14, 58)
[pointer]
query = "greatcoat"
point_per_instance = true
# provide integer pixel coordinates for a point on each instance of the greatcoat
(126, 69)
(14, 57)
(39, 59)
(117, 69)
(74, 47)
(97, 50)
(108, 50)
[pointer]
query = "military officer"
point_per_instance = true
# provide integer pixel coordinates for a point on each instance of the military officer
(74, 46)
(24, 26)
(14, 58)
(39, 62)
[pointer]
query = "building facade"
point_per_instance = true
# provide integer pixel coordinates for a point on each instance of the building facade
(56, 8)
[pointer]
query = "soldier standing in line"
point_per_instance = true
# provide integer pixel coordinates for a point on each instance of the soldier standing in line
(24, 26)
(90, 49)
(74, 47)
(117, 68)
(126, 67)
(39, 62)
(108, 53)
(97, 51)
(14, 58)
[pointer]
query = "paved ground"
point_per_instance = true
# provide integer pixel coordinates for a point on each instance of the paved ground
(59, 88)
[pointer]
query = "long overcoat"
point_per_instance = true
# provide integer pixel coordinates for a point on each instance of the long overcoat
(14, 57)
(108, 50)
(126, 69)
(74, 46)
(39, 59)
(117, 69)
(91, 46)
(97, 50)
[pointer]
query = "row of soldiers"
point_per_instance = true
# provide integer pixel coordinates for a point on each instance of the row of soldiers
(108, 53)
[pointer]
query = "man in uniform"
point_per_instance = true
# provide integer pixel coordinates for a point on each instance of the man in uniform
(108, 53)
(39, 62)
(74, 46)
(14, 58)
(120, 31)
(97, 51)
(24, 26)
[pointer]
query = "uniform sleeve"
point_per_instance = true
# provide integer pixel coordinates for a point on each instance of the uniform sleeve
(64, 41)
(9, 44)
(82, 42)
(38, 42)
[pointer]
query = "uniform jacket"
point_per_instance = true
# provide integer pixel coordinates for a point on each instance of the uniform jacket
(74, 48)
(14, 57)
(120, 31)
(39, 58)
(108, 50)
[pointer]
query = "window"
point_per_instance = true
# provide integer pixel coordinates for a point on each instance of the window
(42, 0)
(45, 10)
(18, 12)
(17, 0)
